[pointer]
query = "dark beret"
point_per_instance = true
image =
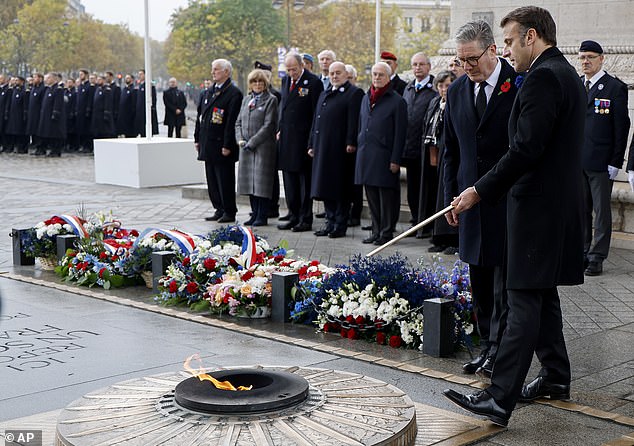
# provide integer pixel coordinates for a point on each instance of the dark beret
(308, 57)
(386, 55)
(590, 45)
(262, 66)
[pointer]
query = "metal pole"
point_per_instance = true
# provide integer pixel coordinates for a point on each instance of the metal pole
(288, 25)
(148, 74)
(377, 37)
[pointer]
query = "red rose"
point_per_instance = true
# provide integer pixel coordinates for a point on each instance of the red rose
(247, 275)
(395, 341)
(103, 255)
(343, 333)
(314, 263)
(101, 271)
(349, 319)
(186, 261)
(302, 271)
(173, 286)
(278, 258)
(380, 338)
(315, 274)
(134, 232)
(506, 86)
(192, 287)
(359, 320)
(209, 264)
(353, 334)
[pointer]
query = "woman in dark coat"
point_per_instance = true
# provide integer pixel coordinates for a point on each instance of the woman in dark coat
(444, 237)
(255, 132)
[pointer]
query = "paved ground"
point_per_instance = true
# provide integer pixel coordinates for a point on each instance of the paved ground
(598, 318)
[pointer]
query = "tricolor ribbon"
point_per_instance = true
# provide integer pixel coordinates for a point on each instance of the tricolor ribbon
(77, 225)
(183, 240)
(248, 247)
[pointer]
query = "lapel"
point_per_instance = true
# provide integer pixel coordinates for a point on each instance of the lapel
(594, 91)
(468, 100)
(506, 72)
(291, 95)
(211, 95)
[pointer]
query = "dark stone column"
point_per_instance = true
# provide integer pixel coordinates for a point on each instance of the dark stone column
(160, 261)
(439, 326)
(282, 283)
(19, 257)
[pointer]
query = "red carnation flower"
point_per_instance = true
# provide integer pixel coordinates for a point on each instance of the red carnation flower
(134, 232)
(209, 264)
(302, 271)
(192, 287)
(247, 275)
(314, 263)
(186, 261)
(115, 258)
(359, 320)
(173, 286)
(278, 258)
(506, 86)
(101, 271)
(349, 319)
(395, 341)
(103, 255)
(380, 338)
(353, 334)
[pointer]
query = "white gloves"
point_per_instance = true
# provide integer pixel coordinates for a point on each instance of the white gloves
(613, 172)
(630, 178)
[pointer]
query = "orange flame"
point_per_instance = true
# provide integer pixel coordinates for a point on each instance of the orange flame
(201, 375)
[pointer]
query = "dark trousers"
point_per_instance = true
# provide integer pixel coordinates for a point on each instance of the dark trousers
(18, 143)
(72, 142)
(297, 190)
(598, 192)
(385, 205)
(337, 213)
(221, 187)
(490, 303)
(274, 205)
(86, 143)
(259, 209)
(413, 171)
(357, 201)
(171, 128)
(534, 325)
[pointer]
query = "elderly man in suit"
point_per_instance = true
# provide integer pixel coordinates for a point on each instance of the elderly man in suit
(382, 133)
(541, 176)
(215, 140)
(332, 145)
(325, 58)
(300, 91)
(477, 111)
(607, 127)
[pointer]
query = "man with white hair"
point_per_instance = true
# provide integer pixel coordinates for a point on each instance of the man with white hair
(382, 132)
(175, 104)
(325, 58)
(215, 140)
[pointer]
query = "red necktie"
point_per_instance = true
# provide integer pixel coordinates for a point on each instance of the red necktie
(292, 84)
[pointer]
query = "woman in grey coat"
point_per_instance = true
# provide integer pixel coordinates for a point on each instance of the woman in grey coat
(255, 133)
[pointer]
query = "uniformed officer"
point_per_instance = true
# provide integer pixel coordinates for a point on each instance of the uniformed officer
(4, 95)
(85, 94)
(103, 125)
(35, 104)
(16, 117)
(127, 105)
(139, 113)
(52, 122)
(70, 101)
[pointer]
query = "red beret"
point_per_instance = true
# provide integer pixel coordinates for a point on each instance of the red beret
(387, 55)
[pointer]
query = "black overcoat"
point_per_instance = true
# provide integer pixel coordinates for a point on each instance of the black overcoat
(5, 98)
(52, 122)
(382, 132)
(473, 147)
(607, 125)
(127, 106)
(103, 125)
(71, 110)
(335, 125)
(139, 112)
(543, 176)
(296, 118)
(116, 97)
(85, 96)
(398, 84)
(173, 98)
(417, 103)
(35, 105)
(17, 112)
(216, 122)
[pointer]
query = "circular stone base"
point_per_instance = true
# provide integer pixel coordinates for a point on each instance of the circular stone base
(341, 409)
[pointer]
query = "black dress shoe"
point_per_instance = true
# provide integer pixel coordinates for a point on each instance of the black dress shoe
(227, 219)
(370, 239)
(249, 222)
(286, 217)
(382, 240)
(322, 232)
(302, 227)
(213, 217)
(486, 369)
(540, 387)
(473, 365)
(436, 248)
(287, 226)
(337, 233)
(367, 228)
(480, 403)
(594, 269)
(260, 223)
(320, 215)
(353, 222)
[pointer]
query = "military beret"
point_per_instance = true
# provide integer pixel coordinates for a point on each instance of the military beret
(308, 57)
(262, 66)
(591, 45)
(386, 55)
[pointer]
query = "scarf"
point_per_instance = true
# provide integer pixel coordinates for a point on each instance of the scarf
(376, 93)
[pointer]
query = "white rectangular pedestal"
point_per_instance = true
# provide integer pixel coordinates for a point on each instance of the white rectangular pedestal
(139, 162)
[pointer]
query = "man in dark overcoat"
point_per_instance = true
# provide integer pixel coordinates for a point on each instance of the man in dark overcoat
(418, 94)
(72, 138)
(127, 106)
(103, 125)
(85, 96)
(4, 97)
(382, 133)
(52, 123)
(332, 145)
(474, 143)
(215, 139)
(541, 179)
(300, 92)
(116, 95)
(35, 104)
(607, 127)
(139, 112)
(175, 104)
(16, 115)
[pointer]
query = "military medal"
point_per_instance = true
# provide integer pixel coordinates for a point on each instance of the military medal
(600, 87)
